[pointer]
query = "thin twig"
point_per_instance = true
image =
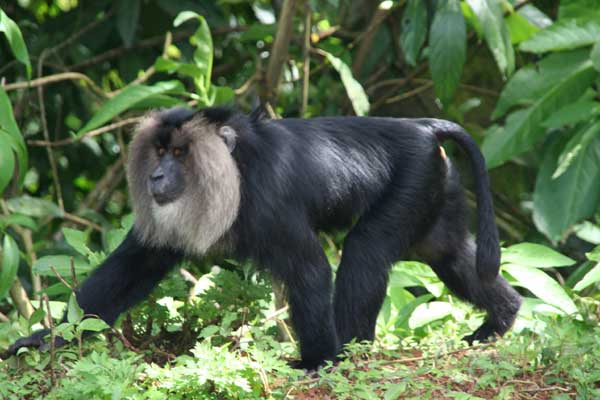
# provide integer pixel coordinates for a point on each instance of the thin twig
(49, 79)
(81, 221)
(73, 275)
(60, 278)
(52, 344)
(92, 133)
(306, 56)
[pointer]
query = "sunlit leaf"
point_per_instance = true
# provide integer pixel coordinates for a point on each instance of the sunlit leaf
(429, 312)
(535, 255)
(563, 35)
(125, 100)
(561, 79)
(355, 91)
(592, 277)
(519, 27)
(541, 285)
(93, 325)
(490, 16)
(62, 264)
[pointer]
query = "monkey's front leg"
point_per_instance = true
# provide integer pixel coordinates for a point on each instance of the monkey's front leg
(125, 278)
(307, 276)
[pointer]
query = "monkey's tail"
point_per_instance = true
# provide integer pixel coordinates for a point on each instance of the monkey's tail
(488, 244)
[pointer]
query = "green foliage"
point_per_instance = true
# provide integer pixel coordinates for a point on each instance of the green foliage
(447, 51)
(356, 93)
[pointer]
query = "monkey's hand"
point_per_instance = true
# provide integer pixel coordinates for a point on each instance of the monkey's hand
(36, 340)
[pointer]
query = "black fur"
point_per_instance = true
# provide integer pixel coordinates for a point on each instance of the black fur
(384, 179)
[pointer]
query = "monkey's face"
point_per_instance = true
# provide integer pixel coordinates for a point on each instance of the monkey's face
(181, 169)
(167, 181)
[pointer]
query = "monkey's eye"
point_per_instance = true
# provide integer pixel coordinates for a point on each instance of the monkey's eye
(178, 152)
(161, 151)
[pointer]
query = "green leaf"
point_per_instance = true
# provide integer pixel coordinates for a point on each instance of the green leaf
(414, 30)
(125, 100)
(593, 276)
(128, 14)
(10, 265)
(203, 55)
(429, 312)
(563, 35)
(34, 207)
(7, 161)
(62, 264)
(561, 79)
(356, 93)
(15, 41)
(74, 312)
(572, 114)
(17, 219)
(37, 316)
(573, 147)
(595, 56)
(579, 9)
(490, 16)
(9, 125)
(519, 27)
(560, 203)
(447, 48)
(77, 240)
(594, 254)
(541, 285)
(93, 325)
(588, 232)
(535, 255)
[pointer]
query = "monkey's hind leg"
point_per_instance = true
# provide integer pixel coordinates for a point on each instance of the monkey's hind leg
(450, 250)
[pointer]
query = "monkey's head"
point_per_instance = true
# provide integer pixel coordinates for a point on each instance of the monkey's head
(183, 180)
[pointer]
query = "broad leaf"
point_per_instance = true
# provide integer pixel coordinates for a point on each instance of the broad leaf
(550, 91)
(429, 312)
(7, 161)
(92, 324)
(595, 56)
(447, 48)
(203, 55)
(414, 30)
(17, 219)
(572, 114)
(575, 145)
(127, 20)
(520, 28)
(9, 125)
(34, 207)
(355, 91)
(535, 255)
(579, 9)
(74, 311)
(10, 265)
(541, 285)
(560, 203)
(563, 35)
(593, 276)
(130, 96)
(62, 265)
(77, 240)
(15, 40)
(490, 16)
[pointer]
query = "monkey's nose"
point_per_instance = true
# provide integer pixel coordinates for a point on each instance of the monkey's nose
(157, 175)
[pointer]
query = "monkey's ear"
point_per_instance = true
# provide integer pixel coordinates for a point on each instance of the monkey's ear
(229, 136)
